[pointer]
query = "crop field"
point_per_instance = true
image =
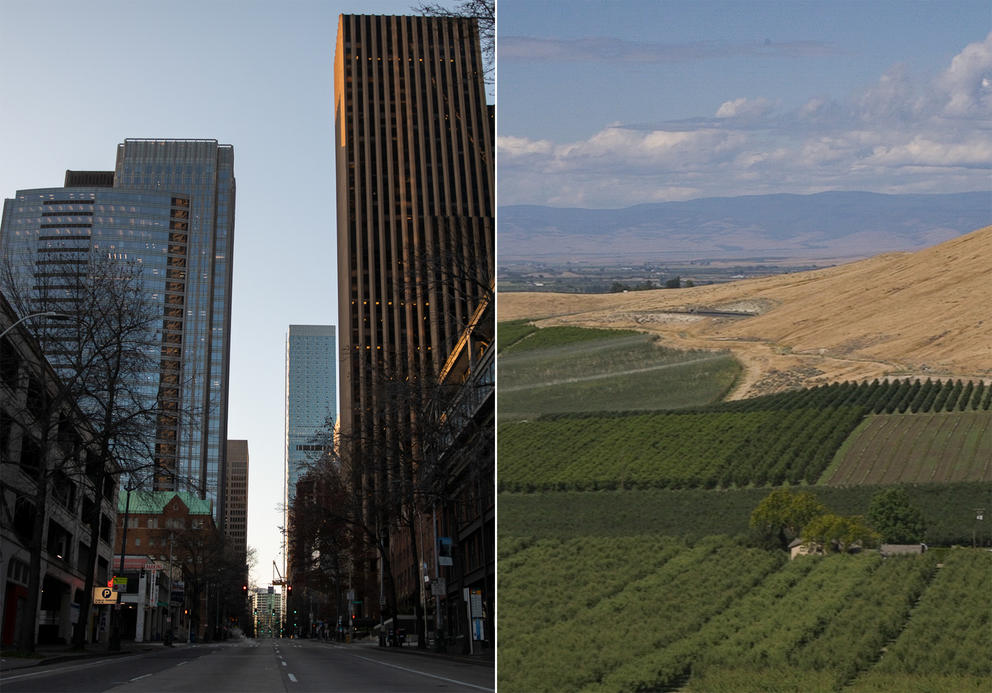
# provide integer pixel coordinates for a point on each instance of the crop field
(567, 369)
(916, 448)
(523, 336)
(692, 514)
(673, 450)
(648, 613)
(804, 436)
(510, 332)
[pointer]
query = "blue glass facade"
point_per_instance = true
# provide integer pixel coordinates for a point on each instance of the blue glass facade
(311, 357)
(170, 207)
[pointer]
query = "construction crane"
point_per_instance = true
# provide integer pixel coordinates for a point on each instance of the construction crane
(275, 572)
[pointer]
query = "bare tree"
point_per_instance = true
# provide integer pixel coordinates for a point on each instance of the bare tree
(107, 357)
(483, 11)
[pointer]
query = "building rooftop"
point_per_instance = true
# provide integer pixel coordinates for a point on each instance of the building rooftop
(154, 502)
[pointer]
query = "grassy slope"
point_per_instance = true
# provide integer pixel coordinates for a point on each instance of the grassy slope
(569, 369)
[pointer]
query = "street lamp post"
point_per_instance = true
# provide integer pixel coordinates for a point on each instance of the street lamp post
(44, 314)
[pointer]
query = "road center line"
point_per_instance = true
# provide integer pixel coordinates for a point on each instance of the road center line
(422, 673)
(143, 676)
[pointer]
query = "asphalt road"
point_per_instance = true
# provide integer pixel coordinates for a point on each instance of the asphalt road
(250, 666)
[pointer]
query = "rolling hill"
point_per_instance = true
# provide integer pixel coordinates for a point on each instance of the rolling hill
(923, 314)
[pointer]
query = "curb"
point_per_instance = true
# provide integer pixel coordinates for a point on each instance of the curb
(15, 663)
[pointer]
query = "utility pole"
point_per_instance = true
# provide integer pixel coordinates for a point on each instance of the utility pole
(115, 627)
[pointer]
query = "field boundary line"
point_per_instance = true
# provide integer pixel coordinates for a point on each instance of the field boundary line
(614, 374)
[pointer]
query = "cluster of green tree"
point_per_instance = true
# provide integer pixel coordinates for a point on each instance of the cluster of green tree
(673, 283)
(785, 515)
(695, 513)
(721, 616)
(672, 450)
(887, 396)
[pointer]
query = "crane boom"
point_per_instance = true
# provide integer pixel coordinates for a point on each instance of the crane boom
(276, 573)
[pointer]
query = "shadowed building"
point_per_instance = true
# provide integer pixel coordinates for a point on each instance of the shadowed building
(415, 225)
(169, 206)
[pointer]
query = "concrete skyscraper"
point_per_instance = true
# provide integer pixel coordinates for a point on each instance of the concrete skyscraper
(415, 228)
(168, 205)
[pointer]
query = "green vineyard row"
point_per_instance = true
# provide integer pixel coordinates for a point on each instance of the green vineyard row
(768, 441)
(584, 615)
(948, 510)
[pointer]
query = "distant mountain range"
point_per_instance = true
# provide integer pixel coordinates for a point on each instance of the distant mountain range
(824, 225)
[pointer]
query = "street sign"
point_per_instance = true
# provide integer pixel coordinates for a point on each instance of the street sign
(104, 595)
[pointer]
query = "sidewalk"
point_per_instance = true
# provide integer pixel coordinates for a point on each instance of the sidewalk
(51, 654)
(485, 658)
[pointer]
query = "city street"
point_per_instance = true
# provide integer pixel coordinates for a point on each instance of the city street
(257, 665)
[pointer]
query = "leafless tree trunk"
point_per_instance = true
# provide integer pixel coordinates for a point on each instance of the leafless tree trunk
(104, 354)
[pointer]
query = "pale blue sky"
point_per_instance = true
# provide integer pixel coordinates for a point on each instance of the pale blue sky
(77, 78)
(613, 103)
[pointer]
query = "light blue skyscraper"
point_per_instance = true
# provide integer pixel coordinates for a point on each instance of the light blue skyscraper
(311, 401)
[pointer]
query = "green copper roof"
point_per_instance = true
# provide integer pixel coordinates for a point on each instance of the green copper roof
(154, 502)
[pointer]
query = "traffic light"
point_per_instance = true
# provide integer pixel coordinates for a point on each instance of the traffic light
(244, 589)
(289, 590)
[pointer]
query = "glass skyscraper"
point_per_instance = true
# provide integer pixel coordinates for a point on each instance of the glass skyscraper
(168, 205)
(311, 402)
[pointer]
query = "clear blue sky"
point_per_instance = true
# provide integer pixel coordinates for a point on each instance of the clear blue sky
(612, 103)
(77, 78)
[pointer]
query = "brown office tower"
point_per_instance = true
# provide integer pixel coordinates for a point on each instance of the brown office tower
(236, 497)
(415, 224)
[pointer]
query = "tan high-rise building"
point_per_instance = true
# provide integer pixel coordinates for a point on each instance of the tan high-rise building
(415, 225)
(236, 496)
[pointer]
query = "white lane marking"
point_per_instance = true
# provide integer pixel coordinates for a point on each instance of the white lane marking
(143, 676)
(292, 678)
(422, 673)
(185, 661)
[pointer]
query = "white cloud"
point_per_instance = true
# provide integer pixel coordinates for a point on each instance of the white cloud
(744, 108)
(521, 146)
(967, 81)
(901, 134)
(924, 151)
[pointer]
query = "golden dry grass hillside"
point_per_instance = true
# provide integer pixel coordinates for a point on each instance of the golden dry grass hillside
(927, 313)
